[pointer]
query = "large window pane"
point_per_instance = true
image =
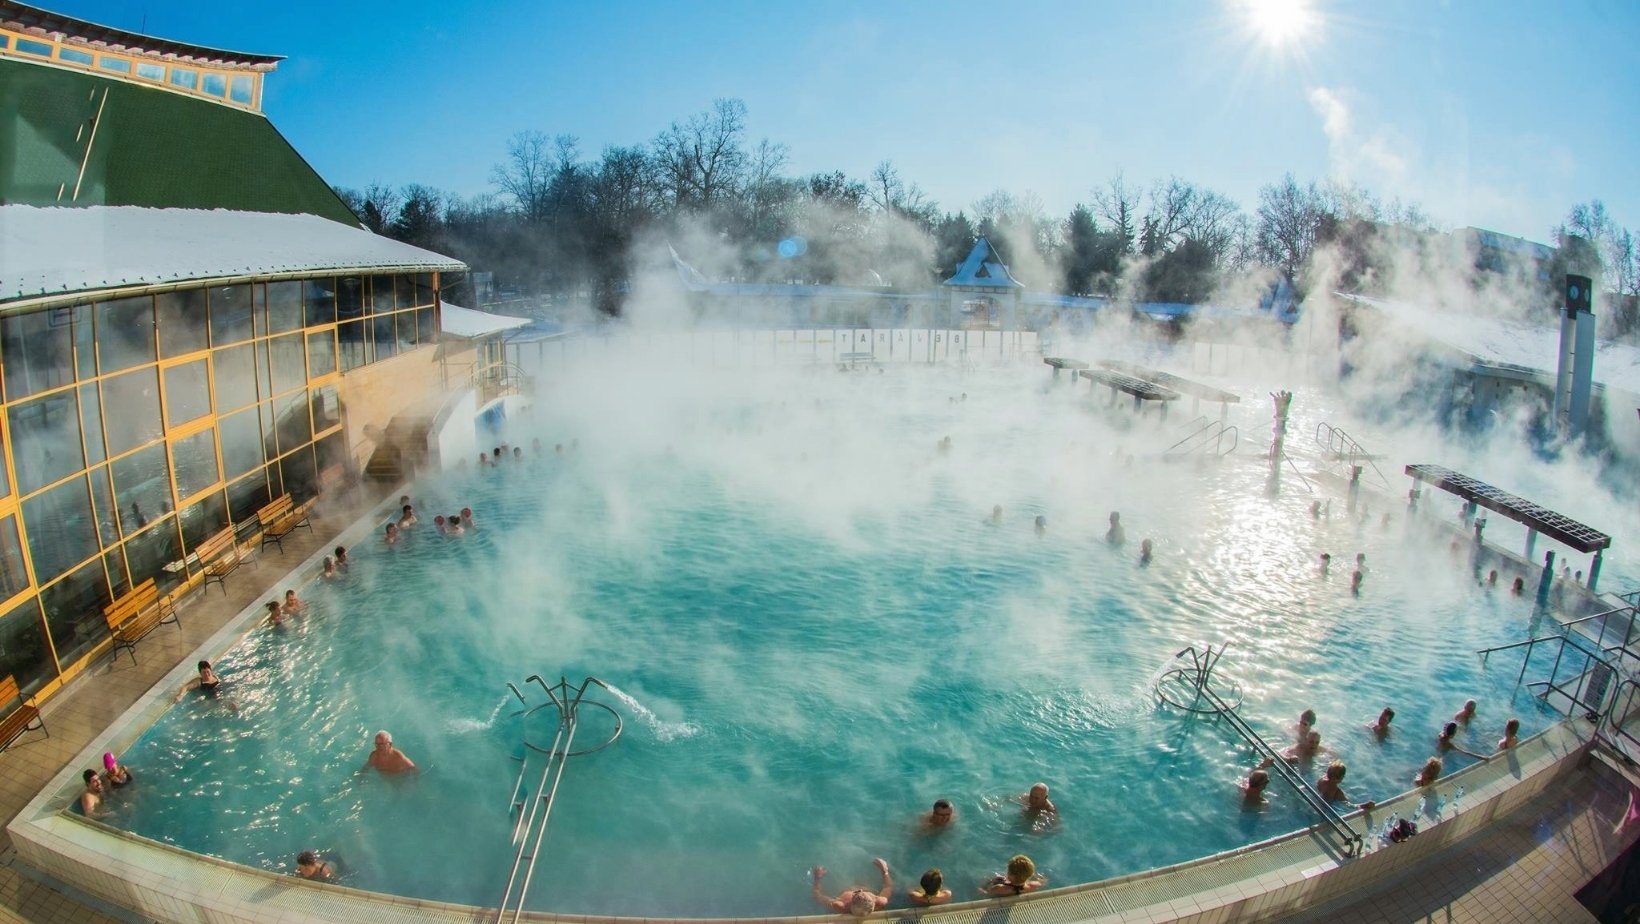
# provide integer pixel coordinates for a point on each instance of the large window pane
(13, 576)
(24, 653)
(231, 310)
(264, 386)
(125, 333)
(294, 425)
(142, 488)
(382, 336)
(74, 611)
(327, 411)
(349, 297)
(350, 344)
(284, 306)
(301, 481)
(36, 351)
(149, 553)
(289, 364)
(194, 460)
(381, 294)
(187, 393)
(321, 354)
(45, 436)
(424, 325)
(332, 450)
(204, 519)
(60, 533)
(241, 442)
(102, 498)
(247, 496)
(118, 581)
(183, 323)
(91, 424)
(424, 289)
(319, 300)
(235, 371)
(406, 330)
(131, 410)
(404, 291)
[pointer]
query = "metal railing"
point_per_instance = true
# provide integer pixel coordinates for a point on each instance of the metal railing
(1207, 438)
(530, 830)
(1196, 679)
(498, 379)
(1343, 448)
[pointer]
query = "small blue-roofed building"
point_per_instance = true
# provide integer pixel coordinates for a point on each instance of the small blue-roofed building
(984, 295)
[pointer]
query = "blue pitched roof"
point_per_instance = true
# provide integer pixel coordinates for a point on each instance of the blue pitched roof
(984, 269)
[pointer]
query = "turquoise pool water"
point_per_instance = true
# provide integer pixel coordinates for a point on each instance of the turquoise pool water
(816, 636)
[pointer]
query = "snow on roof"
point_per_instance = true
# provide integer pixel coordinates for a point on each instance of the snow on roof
(1511, 341)
(985, 269)
(56, 251)
(465, 322)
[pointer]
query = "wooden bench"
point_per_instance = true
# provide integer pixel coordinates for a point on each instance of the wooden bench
(24, 718)
(220, 557)
(137, 613)
(280, 518)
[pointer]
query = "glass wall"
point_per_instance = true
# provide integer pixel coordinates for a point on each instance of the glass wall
(139, 427)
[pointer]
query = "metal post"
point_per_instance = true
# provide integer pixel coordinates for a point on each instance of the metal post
(1594, 569)
(1547, 579)
(1531, 543)
(1412, 500)
(1355, 488)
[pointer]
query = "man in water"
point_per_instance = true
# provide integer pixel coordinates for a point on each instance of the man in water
(1380, 728)
(387, 758)
(467, 517)
(1252, 789)
(941, 816)
(1511, 735)
(1326, 562)
(1447, 741)
(92, 798)
(1145, 550)
(1116, 535)
(1462, 716)
(1037, 806)
(858, 901)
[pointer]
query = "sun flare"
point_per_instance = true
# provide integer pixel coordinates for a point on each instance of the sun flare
(1280, 23)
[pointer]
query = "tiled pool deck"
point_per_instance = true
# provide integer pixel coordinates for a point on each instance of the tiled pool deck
(1520, 857)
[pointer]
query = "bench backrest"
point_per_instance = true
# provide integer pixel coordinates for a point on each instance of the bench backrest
(9, 691)
(219, 545)
(272, 512)
(133, 602)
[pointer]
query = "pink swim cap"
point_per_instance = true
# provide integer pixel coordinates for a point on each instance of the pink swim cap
(108, 760)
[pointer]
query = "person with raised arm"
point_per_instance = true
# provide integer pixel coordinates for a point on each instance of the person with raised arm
(858, 901)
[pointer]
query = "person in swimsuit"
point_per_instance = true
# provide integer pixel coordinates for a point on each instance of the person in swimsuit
(941, 816)
(932, 891)
(387, 758)
(1037, 805)
(91, 799)
(392, 534)
(1380, 728)
(341, 557)
(207, 683)
(114, 772)
(467, 517)
(1021, 877)
(293, 604)
(1445, 742)
(1252, 789)
(407, 517)
(1511, 735)
(276, 615)
(1462, 716)
(1430, 773)
(1116, 535)
(329, 568)
(310, 866)
(858, 901)
(1146, 550)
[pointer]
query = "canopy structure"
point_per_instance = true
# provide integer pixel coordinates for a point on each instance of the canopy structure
(469, 324)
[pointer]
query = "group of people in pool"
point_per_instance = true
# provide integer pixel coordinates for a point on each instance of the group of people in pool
(99, 786)
(1307, 747)
(456, 524)
(500, 455)
(1020, 875)
(1116, 535)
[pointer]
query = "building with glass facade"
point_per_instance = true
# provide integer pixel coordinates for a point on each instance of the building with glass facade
(192, 324)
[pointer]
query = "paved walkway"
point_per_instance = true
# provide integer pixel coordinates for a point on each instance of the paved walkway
(1524, 868)
(78, 715)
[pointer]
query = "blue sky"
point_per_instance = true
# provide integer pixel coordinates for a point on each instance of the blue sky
(1498, 113)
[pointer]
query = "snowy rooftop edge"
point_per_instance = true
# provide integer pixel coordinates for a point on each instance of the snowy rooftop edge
(468, 322)
(46, 251)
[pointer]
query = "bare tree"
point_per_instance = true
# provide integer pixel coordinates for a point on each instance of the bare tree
(701, 161)
(890, 193)
(1288, 218)
(381, 205)
(1118, 203)
(526, 174)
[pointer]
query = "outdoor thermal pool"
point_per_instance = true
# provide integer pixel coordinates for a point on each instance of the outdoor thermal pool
(815, 636)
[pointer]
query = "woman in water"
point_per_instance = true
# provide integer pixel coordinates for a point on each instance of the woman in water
(310, 866)
(932, 890)
(329, 570)
(275, 616)
(115, 772)
(1511, 735)
(1021, 877)
(1429, 774)
(1445, 742)
(207, 683)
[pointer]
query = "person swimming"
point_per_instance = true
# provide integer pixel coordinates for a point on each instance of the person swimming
(275, 616)
(1381, 727)
(1145, 552)
(207, 682)
(310, 866)
(1116, 535)
(1020, 878)
(1511, 735)
(1041, 524)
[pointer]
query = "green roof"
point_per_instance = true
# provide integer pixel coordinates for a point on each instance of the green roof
(151, 148)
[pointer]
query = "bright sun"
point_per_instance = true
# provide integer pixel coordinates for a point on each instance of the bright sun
(1280, 23)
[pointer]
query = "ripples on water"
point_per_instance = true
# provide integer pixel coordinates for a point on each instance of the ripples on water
(812, 635)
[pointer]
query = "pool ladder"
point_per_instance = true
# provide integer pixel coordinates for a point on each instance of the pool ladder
(530, 828)
(1195, 679)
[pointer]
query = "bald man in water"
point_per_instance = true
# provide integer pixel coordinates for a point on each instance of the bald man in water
(387, 758)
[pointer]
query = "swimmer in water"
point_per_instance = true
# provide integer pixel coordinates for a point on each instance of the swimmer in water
(341, 557)
(1519, 587)
(1326, 562)
(1307, 749)
(1492, 579)
(310, 866)
(858, 901)
(1331, 786)
(1445, 742)
(438, 523)
(392, 534)
(1315, 510)
(1361, 562)
(275, 616)
(1116, 535)
(453, 526)
(1037, 806)
(293, 604)
(1429, 774)
(1041, 524)
(931, 890)
(1020, 878)
(1252, 789)
(1511, 735)
(1145, 550)
(91, 800)
(115, 774)
(207, 683)
(1304, 725)
(996, 515)
(1355, 583)
(467, 518)
(407, 517)
(1462, 716)
(329, 569)
(941, 816)
(1380, 728)
(387, 758)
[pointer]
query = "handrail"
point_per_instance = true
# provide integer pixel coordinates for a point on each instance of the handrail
(530, 831)
(1192, 435)
(1347, 448)
(1200, 678)
(1208, 431)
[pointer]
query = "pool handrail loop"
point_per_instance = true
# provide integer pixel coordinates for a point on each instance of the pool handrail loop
(530, 831)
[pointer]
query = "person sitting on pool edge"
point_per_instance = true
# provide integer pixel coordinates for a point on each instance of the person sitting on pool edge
(932, 891)
(1021, 877)
(310, 866)
(858, 901)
